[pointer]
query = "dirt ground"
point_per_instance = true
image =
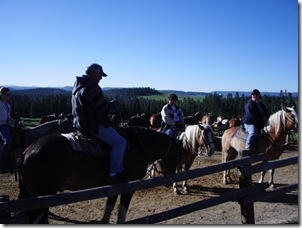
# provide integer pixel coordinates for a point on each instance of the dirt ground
(279, 210)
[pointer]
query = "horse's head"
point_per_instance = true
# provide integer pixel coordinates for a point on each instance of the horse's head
(206, 139)
(207, 119)
(282, 121)
(291, 117)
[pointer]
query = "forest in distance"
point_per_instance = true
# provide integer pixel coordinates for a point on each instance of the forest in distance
(36, 102)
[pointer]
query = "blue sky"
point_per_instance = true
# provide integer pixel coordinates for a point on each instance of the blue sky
(189, 45)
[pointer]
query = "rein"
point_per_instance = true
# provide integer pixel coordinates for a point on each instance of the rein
(273, 143)
(158, 161)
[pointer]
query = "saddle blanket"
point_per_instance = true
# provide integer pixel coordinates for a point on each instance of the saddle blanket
(90, 147)
(241, 133)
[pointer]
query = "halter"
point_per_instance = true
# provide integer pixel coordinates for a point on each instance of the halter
(206, 142)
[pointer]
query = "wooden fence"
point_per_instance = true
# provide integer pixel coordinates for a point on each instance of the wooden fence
(246, 194)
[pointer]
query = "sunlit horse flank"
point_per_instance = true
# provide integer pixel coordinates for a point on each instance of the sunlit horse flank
(194, 139)
(270, 141)
(51, 165)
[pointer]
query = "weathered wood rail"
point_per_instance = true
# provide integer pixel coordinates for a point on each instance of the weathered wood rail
(246, 195)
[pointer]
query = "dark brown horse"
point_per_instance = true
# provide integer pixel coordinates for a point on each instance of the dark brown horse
(51, 165)
(270, 141)
(23, 136)
(139, 121)
(51, 117)
(192, 119)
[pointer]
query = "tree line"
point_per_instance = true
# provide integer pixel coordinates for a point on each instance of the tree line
(133, 101)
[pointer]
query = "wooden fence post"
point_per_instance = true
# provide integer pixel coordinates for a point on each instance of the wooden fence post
(247, 210)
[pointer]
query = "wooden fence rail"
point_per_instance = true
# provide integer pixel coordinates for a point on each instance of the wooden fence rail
(245, 195)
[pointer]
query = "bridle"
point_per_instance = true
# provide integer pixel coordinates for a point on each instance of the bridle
(153, 166)
(277, 145)
(206, 141)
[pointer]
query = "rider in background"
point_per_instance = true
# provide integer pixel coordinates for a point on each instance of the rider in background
(6, 121)
(255, 118)
(172, 116)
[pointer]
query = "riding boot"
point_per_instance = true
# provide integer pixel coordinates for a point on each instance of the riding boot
(117, 179)
(245, 152)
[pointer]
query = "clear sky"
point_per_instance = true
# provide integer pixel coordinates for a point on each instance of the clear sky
(189, 45)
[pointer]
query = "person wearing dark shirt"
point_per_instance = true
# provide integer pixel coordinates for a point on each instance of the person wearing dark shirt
(255, 118)
(90, 110)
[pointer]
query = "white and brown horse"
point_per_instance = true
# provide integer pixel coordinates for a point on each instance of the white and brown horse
(194, 139)
(270, 141)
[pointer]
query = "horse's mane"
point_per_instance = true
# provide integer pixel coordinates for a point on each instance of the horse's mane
(277, 120)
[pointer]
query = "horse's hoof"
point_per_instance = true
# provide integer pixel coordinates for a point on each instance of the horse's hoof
(272, 186)
(176, 191)
(186, 190)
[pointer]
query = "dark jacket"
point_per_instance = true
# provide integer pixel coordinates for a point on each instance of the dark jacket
(89, 106)
(254, 113)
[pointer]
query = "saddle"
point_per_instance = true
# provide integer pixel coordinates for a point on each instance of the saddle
(241, 133)
(85, 145)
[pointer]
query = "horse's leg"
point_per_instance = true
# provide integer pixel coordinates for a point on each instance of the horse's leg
(175, 187)
(187, 167)
(271, 180)
(225, 172)
(262, 176)
(271, 177)
(123, 207)
(228, 155)
(108, 209)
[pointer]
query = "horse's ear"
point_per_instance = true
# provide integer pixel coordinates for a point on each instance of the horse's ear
(283, 107)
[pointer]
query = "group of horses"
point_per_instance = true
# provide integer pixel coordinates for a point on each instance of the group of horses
(50, 164)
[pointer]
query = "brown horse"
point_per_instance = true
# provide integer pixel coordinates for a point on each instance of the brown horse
(270, 141)
(155, 121)
(194, 139)
(51, 165)
(207, 119)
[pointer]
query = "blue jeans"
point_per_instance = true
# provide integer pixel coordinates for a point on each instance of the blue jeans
(170, 132)
(7, 141)
(111, 137)
(252, 135)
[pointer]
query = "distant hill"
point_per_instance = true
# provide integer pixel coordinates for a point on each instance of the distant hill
(36, 91)
(248, 93)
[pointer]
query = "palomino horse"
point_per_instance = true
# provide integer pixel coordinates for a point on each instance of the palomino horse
(194, 139)
(51, 165)
(270, 141)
